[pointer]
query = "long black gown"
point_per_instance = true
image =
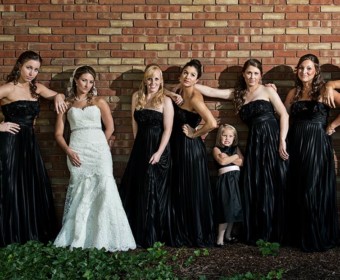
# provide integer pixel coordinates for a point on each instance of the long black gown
(191, 209)
(264, 176)
(144, 187)
(26, 202)
(311, 179)
(227, 195)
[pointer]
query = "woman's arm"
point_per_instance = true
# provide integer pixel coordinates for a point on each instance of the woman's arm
(227, 94)
(328, 93)
(133, 108)
(333, 125)
(168, 116)
(59, 136)
(106, 116)
(223, 158)
(284, 118)
(59, 98)
(197, 103)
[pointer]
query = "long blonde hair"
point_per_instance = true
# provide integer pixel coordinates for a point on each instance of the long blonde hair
(157, 100)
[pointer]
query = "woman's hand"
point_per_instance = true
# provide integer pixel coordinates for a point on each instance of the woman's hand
(282, 150)
(9, 127)
(327, 95)
(59, 103)
(155, 158)
(73, 156)
(189, 131)
(330, 129)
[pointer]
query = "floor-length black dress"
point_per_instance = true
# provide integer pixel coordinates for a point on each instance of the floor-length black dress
(191, 209)
(227, 195)
(311, 179)
(264, 177)
(26, 202)
(144, 187)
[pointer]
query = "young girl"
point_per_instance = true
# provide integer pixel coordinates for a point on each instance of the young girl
(228, 159)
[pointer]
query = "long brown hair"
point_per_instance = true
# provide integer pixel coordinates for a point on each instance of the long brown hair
(14, 75)
(241, 85)
(317, 82)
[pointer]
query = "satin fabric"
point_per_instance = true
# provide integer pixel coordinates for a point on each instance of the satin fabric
(144, 187)
(312, 182)
(26, 202)
(191, 211)
(227, 195)
(264, 175)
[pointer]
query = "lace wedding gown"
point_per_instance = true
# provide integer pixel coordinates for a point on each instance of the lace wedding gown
(93, 215)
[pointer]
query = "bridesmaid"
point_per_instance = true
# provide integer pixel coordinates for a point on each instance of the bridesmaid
(144, 187)
(191, 209)
(265, 162)
(313, 218)
(26, 201)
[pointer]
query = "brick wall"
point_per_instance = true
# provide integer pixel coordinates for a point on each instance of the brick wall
(120, 39)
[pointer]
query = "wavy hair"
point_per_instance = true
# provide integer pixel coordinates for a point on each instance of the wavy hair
(157, 100)
(241, 85)
(14, 75)
(317, 82)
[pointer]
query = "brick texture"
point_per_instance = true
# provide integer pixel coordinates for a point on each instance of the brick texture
(119, 40)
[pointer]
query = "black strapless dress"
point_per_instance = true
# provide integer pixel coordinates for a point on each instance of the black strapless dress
(311, 180)
(144, 187)
(26, 201)
(191, 209)
(264, 175)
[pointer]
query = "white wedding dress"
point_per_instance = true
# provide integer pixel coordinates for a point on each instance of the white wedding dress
(94, 216)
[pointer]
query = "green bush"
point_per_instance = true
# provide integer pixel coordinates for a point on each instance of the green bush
(267, 248)
(37, 261)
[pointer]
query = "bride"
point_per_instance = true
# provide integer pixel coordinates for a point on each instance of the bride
(93, 216)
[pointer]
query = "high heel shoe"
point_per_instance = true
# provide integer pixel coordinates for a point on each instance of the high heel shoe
(230, 240)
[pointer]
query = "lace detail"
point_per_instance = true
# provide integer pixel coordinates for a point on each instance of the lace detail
(93, 214)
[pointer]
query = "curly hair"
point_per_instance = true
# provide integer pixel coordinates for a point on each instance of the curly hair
(14, 75)
(317, 82)
(241, 85)
(72, 89)
(157, 100)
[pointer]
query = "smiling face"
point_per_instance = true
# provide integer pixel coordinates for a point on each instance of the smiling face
(306, 71)
(189, 76)
(154, 81)
(85, 83)
(29, 71)
(252, 76)
(227, 137)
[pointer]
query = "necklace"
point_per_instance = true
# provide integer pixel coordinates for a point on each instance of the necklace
(80, 99)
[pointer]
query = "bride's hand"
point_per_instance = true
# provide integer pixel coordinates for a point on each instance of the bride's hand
(73, 156)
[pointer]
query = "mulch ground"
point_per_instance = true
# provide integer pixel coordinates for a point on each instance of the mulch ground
(235, 259)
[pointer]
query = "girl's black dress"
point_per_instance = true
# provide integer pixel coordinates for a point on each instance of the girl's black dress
(26, 202)
(227, 195)
(312, 182)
